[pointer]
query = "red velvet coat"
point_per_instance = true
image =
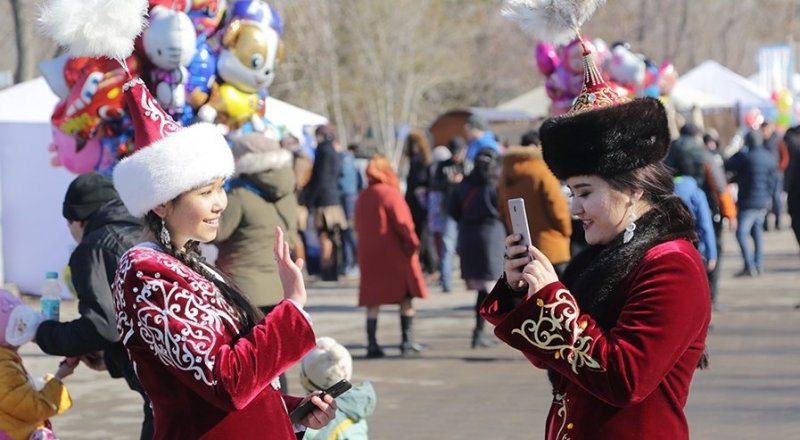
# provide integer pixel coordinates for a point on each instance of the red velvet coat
(631, 382)
(387, 248)
(203, 384)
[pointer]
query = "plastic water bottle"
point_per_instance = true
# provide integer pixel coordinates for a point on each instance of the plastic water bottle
(51, 296)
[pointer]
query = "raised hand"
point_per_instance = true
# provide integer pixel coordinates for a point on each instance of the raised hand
(290, 272)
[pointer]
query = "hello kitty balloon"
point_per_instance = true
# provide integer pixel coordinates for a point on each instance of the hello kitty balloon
(169, 43)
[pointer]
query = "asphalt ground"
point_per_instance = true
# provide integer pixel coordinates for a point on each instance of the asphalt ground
(751, 391)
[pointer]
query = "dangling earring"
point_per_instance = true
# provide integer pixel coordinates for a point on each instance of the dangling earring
(164, 233)
(628, 235)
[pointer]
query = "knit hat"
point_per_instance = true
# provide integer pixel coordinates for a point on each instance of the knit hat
(328, 363)
(254, 152)
(86, 194)
(18, 322)
(606, 141)
(478, 122)
(169, 160)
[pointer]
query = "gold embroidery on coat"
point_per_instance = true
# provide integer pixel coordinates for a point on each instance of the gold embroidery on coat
(555, 320)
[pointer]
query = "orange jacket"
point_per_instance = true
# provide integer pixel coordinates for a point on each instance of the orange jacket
(526, 175)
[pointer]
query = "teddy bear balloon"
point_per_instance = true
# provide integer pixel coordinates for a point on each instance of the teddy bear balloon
(251, 49)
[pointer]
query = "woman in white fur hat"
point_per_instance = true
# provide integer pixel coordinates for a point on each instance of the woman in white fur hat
(207, 358)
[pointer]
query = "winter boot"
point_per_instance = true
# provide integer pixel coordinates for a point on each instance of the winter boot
(374, 350)
(408, 347)
(479, 338)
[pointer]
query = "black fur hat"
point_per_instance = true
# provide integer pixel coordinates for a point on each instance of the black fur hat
(606, 141)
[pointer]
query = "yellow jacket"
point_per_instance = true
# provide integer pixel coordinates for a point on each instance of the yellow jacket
(22, 407)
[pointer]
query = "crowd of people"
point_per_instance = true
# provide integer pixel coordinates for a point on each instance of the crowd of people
(595, 226)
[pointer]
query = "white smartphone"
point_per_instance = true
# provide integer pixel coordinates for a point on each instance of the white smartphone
(519, 219)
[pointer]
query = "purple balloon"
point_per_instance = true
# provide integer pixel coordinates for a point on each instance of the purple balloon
(546, 58)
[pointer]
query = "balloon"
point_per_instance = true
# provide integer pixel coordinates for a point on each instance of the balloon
(95, 96)
(626, 68)
(251, 47)
(206, 16)
(602, 56)
(753, 118)
(560, 106)
(546, 58)
(573, 55)
(667, 77)
(75, 157)
(202, 72)
(557, 85)
(169, 43)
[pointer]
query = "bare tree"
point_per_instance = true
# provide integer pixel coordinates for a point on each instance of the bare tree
(31, 48)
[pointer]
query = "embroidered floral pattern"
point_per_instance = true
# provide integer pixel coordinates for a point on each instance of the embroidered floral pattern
(557, 329)
(560, 400)
(180, 326)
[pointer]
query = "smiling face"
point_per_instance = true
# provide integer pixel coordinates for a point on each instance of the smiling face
(194, 215)
(602, 209)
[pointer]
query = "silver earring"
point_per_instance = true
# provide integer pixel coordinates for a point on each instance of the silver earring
(628, 235)
(164, 233)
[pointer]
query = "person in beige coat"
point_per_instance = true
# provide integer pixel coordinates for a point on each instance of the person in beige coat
(526, 175)
(260, 196)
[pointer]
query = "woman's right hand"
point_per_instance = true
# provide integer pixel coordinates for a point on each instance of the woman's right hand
(515, 258)
(290, 272)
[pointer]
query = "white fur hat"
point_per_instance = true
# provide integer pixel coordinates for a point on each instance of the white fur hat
(328, 363)
(169, 159)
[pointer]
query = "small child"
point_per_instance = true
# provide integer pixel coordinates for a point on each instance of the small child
(26, 406)
(322, 367)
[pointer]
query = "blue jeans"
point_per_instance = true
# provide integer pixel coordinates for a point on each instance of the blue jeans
(751, 222)
(448, 251)
(348, 237)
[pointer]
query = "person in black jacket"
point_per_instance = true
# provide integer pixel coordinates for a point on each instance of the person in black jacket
(321, 195)
(104, 230)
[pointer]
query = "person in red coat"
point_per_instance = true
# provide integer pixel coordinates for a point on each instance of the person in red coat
(388, 254)
(623, 334)
(207, 358)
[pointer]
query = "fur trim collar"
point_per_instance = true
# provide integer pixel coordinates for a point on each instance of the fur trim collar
(251, 163)
(523, 153)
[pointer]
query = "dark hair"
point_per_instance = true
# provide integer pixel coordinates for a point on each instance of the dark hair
(248, 313)
(486, 169)
(531, 137)
(326, 131)
(456, 145)
(658, 188)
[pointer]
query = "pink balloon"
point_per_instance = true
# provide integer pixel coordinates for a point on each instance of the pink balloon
(667, 77)
(560, 106)
(573, 55)
(546, 58)
(70, 157)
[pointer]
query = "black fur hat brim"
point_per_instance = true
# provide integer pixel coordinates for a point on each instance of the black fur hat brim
(607, 141)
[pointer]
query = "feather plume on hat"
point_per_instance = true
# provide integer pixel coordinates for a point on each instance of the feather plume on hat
(555, 21)
(94, 28)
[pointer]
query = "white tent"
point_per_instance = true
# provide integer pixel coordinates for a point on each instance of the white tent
(716, 80)
(684, 98)
(34, 238)
(535, 102)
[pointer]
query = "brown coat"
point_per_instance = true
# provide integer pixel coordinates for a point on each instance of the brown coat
(526, 175)
(387, 248)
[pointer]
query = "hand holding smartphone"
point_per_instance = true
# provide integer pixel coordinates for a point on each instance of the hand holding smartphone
(519, 220)
(306, 408)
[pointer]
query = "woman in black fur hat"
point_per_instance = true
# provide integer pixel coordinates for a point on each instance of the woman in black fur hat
(623, 334)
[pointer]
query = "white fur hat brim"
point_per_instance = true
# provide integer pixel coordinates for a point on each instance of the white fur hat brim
(185, 160)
